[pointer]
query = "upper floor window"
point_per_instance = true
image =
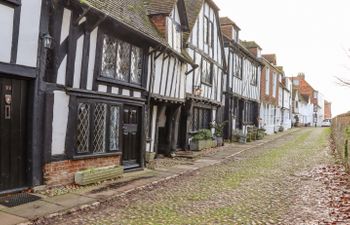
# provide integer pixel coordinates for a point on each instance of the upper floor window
(296, 82)
(254, 80)
(267, 81)
(237, 72)
(207, 72)
(208, 31)
(274, 88)
(121, 60)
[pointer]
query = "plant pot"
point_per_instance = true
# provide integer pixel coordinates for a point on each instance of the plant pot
(242, 139)
(150, 156)
(94, 175)
(220, 141)
(199, 145)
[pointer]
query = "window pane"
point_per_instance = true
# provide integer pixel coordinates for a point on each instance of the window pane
(123, 61)
(136, 65)
(114, 129)
(109, 57)
(83, 128)
(99, 136)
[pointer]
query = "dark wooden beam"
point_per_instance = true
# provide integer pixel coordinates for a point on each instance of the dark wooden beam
(18, 70)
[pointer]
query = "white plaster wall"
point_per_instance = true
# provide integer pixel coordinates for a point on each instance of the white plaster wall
(67, 14)
(29, 33)
(6, 24)
(59, 122)
(78, 62)
(153, 126)
(92, 53)
(61, 73)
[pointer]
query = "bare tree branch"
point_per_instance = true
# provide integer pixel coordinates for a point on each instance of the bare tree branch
(342, 82)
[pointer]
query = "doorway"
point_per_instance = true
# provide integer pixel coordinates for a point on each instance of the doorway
(13, 135)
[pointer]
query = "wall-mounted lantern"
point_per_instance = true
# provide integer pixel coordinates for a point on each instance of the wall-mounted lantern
(47, 41)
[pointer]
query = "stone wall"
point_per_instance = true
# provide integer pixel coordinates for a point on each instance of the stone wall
(340, 124)
(62, 172)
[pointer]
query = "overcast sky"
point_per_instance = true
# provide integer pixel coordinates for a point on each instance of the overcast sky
(309, 36)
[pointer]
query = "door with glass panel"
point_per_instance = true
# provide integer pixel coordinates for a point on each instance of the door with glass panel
(131, 137)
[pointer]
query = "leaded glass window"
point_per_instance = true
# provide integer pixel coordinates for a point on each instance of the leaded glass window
(98, 128)
(207, 72)
(99, 138)
(114, 128)
(121, 60)
(83, 128)
(109, 57)
(201, 118)
(136, 65)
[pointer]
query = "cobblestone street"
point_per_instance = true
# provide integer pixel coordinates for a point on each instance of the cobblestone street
(286, 181)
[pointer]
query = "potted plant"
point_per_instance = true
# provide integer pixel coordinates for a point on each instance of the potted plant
(261, 133)
(219, 132)
(202, 140)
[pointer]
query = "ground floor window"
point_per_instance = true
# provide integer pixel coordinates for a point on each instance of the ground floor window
(97, 128)
(201, 118)
(250, 113)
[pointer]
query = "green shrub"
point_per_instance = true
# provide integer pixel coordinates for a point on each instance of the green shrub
(203, 134)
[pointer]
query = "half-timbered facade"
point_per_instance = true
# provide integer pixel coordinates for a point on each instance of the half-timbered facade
(97, 86)
(167, 75)
(20, 120)
(242, 89)
(204, 86)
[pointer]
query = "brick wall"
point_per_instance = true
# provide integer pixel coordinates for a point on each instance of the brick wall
(339, 124)
(268, 98)
(160, 22)
(62, 172)
(227, 30)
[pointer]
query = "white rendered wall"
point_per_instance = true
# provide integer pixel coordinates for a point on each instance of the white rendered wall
(6, 24)
(59, 122)
(29, 33)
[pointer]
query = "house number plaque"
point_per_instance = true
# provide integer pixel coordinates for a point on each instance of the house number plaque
(8, 101)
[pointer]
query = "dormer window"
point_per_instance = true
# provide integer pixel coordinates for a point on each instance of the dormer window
(121, 61)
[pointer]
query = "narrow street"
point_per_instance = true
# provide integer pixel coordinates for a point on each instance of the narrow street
(286, 181)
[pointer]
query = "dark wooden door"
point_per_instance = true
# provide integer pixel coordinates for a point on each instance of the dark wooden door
(13, 105)
(131, 137)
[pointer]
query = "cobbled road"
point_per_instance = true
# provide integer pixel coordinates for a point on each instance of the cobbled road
(275, 183)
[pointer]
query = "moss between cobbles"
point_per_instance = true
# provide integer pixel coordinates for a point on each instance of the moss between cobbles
(300, 149)
(258, 189)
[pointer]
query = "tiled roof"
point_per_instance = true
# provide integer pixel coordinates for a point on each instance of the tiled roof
(155, 7)
(228, 21)
(250, 44)
(131, 13)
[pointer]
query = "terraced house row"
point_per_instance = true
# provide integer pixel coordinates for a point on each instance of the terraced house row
(97, 83)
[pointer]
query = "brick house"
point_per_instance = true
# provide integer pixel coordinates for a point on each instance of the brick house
(327, 110)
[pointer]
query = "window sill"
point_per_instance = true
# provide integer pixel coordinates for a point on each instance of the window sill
(121, 83)
(207, 84)
(80, 157)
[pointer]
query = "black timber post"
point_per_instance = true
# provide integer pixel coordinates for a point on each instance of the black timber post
(38, 91)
